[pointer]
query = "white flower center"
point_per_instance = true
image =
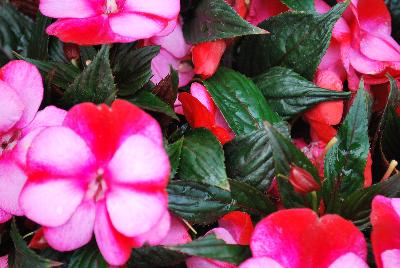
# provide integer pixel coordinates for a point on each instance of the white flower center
(111, 7)
(97, 187)
(8, 141)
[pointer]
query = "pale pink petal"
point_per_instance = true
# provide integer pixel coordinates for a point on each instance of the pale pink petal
(136, 26)
(114, 247)
(391, 258)
(51, 202)
(186, 73)
(12, 179)
(60, 152)
(48, 117)
(139, 161)
(396, 205)
(349, 260)
(4, 216)
(11, 107)
(26, 81)
(177, 234)
(365, 65)
(76, 232)
(4, 261)
(223, 234)
(170, 27)
(261, 262)
(157, 233)
(200, 92)
(132, 212)
(70, 8)
(160, 8)
(174, 43)
(377, 49)
(161, 65)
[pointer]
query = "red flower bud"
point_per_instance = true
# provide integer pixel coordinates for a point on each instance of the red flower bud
(302, 181)
(71, 51)
(38, 241)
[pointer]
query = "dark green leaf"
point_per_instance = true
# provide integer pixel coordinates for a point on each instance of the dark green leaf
(215, 19)
(289, 94)
(213, 248)
(95, 84)
(300, 5)
(87, 257)
(249, 159)
(345, 162)
(39, 42)
(394, 8)
(202, 159)
(23, 256)
(132, 67)
(15, 31)
(87, 54)
(240, 101)
(357, 207)
(174, 152)
(158, 256)
(148, 101)
(298, 40)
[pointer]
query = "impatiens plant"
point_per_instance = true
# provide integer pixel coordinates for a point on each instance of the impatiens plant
(199, 134)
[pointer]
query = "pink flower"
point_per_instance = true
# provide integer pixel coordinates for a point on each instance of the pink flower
(173, 53)
(235, 228)
(385, 237)
(21, 92)
(104, 170)
(92, 22)
(297, 238)
(201, 111)
(4, 262)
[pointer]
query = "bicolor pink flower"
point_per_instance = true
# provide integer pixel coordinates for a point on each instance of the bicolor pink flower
(297, 238)
(235, 228)
(21, 92)
(105, 170)
(92, 22)
(174, 53)
(385, 236)
(201, 111)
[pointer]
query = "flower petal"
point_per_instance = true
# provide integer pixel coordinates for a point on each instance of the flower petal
(51, 202)
(4, 261)
(376, 48)
(349, 260)
(177, 234)
(157, 233)
(139, 161)
(75, 233)
(174, 43)
(11, 108)
(59, 151)
(114, 247)
(4, 216)
(240, 226)
(195, 112)
(48, 117)
(132, 212)
(365, 65)
(261, 262)
(391, 258)
(26, 81)
(136, 26)
(12, 179)
(374, 16)
(161, 8)
(71, 8)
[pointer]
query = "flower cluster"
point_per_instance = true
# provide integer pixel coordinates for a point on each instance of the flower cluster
(141, 133)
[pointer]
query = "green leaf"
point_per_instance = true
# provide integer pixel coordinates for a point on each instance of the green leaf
(202, 159)
(357, 206)
(23, 256)
(215, 19)
(240, 101)
(146, 100)
(298, 40)
(15, 31)
(289, 94)
(39, 42)
(249, 159)
(213, 248)
(394, 8)
(95, 84)
(157, 256)
(345, 162)
(174, 151)
(300, 5)
(88, 53)
(132, 67)
(205, 204)
(88, 256)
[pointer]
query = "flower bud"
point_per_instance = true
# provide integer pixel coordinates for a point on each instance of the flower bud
(71, 51)
(302, 181)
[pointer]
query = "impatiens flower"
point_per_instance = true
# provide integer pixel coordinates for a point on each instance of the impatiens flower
(21, 92)
(173, 53)
(201, 111)
(385, 236)
(92, 22)
(235, 228)
(105, 171)
(297, 238)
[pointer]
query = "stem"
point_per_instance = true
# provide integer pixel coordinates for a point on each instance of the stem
(314, 201)
(330, 144)
(389, 171)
